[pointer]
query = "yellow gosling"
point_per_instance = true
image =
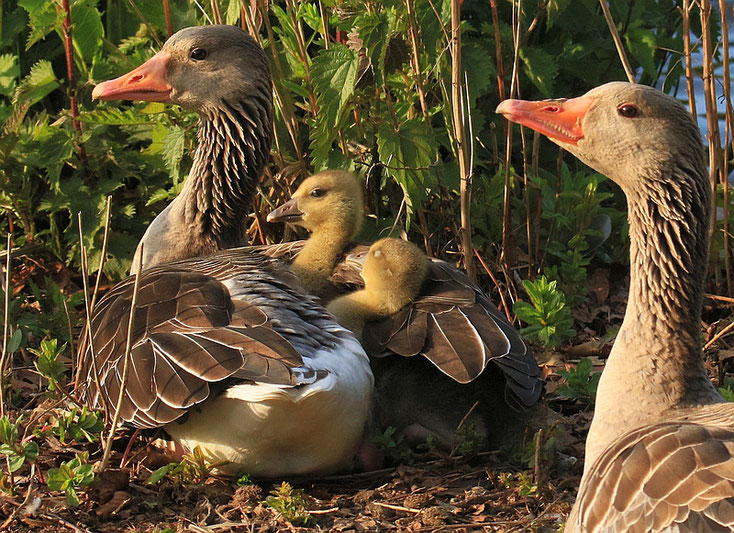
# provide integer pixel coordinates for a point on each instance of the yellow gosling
(330, 205)
(393, 274)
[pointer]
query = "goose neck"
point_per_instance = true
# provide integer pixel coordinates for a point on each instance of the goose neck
(656, 364)
(233, 148)
(316, 262)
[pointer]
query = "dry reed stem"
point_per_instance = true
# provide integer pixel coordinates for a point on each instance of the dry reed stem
(216, 12)
(125, 366)
(508, 250)
(729, 123)
(498, 50)
(167, 16)
(6, 309)
(151, 31)
(457, 106)
(88, 313)
(301, 41)
(617, 41)
(415, 60)
(686, 14)
(103, 256)
(711, 108)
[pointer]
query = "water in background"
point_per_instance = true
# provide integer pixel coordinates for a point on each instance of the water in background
(697, 62)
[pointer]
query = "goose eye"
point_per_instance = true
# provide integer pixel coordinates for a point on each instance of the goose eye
(198, 54)
(318, 193)
(627, 110)
(378, 253)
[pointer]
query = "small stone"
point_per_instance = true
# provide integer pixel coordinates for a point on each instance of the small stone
(434, 517)
(417, 500)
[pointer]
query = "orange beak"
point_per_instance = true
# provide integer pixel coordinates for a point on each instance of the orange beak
(557, 119)
(147, 83)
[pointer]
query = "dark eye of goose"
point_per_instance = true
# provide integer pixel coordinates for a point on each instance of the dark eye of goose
(318, 193)
(627, 110)
(198, 54)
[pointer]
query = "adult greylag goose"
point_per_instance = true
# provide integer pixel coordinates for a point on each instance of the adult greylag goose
(226, 354)
(448, 321)
(659, 450)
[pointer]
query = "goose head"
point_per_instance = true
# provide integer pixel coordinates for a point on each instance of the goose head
(394, 271)
(329, 199)
(198, 68)
(625, 131)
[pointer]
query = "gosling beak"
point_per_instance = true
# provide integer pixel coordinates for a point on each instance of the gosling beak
(147, 83)
(288, 212)
(558, 119)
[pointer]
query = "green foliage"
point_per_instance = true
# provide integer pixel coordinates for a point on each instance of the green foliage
(580, 384)
(77, 425)
(550, 321)
(16, 451)
(48, 364)
(393, 445)
(290, 503)
(193, 468)
(727, 390)
(71, 476)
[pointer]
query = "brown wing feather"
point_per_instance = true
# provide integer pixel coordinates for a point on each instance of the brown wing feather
(675, 474)
(188, 332)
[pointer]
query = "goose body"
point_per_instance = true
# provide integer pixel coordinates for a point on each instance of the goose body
(228, 353)
(466, 349)
(660, 449)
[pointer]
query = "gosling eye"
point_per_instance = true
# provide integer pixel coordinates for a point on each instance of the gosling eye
(377, 253)
(198, 54)
(628, 110)
(317, 193)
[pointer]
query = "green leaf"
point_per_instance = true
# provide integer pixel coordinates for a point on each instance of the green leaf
(9, 73)
(172, 150)
(409, 157)
(160, 473)
(642, 46)
(541, 68)
(86, 30)
(37, 84)
(15, 339)
(15, 462)
(334, 73)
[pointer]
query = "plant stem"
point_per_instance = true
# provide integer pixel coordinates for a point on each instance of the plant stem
(6, 309)
(167, 16)
(125, 366)
(686, 14)
(457, 103)
(617, 41)
(727, 140)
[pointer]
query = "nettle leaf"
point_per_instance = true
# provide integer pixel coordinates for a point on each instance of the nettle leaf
(115, 117)
(334, 73)
(642, 45)
(44, 18)
(172, 150)
(409, 158)
(39, 82)
(540, 67)
(9, 72)
(87, 30)
(478, 64)
(372, 29)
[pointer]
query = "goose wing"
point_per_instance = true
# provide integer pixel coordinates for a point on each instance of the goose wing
(199, 324)
(675, 476)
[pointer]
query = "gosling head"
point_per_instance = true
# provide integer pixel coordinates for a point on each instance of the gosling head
(332, 198)
(200, 68)
(394, 271)
(628, 132)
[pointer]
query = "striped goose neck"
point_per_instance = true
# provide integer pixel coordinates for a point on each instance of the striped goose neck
(233, 148)
(656, 364)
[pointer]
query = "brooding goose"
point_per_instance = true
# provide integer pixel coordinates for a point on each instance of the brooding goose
(659, 450)
(448, 321)
(226, 354)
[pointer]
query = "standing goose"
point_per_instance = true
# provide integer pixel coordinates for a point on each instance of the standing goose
(447, 320)
(659, 450)
(226, 354)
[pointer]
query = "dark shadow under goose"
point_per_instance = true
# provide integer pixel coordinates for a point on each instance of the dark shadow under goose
(464, 347)
(660, 450)
(267, 381)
